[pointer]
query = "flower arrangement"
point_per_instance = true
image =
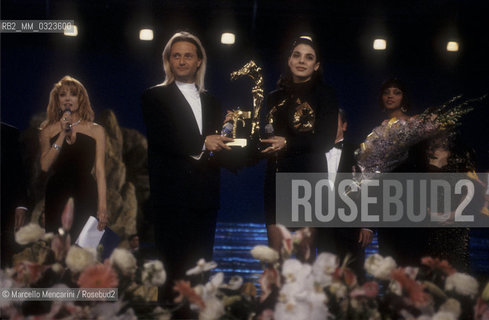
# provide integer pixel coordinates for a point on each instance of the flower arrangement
(50, 261)
(328, 289)
(292, 285)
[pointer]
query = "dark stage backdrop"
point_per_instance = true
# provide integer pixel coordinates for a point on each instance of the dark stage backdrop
(115, 66)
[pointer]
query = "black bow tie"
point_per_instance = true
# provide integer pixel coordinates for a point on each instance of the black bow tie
(339, 145)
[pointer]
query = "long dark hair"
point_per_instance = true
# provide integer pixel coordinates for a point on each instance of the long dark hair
(285, 81)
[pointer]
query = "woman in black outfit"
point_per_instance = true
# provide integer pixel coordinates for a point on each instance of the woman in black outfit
(305, 115)
(73, 152)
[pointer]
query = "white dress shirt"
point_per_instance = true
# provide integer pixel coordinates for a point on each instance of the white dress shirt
(333, 157)
(192, 95)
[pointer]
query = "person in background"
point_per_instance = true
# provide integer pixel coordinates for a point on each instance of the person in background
(15, 202)
(406, 245)
(344, 241)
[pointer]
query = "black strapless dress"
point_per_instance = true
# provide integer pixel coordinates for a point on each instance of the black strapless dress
(71, 176)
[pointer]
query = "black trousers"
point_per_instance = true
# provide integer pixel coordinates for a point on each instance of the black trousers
(182, 236)
(343, 241)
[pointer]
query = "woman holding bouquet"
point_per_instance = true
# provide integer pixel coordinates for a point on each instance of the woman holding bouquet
(304, 114)
(72, 147)
(406, 245)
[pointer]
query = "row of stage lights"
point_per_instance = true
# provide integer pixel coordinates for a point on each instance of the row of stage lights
(229, 38)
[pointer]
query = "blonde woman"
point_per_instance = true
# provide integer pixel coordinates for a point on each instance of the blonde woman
(73, 152)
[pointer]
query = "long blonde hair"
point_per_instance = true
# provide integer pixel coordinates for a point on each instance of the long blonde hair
(188, 37)
(85, 110)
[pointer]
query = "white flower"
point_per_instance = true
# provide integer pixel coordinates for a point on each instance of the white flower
(395, 287)
(442, 315)
(292, 310)
(202, 266)
(338, 289)
(124, 261)
(214, 309)
(317, 297)
(453, 306)
(235, 283)
(293, 290)
(379, 266)
(214, 283)
(323, 268)
(325, 263)
(57, 267)
(161, 314)
(78, 259)
(48, 236)
(293, 270)
(265, 254)
(153, 273)
(319, 312)
(6, 282)
(29, 233)
(463, 284)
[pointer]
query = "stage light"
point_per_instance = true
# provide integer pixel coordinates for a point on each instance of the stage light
(146, 34)
(71, 32)
(452, 46)
(306, 37)
(228, 38)
(380, 44)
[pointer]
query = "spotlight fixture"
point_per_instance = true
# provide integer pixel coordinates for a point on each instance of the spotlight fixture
(380, 44)
(71, 32)
(306, 37)
(146, 34)
(228, 38)
(452, 46)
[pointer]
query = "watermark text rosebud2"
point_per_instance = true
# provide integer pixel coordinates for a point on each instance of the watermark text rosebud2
(381, 200)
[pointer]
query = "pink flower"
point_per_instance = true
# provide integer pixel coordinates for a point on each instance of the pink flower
(347, 275)
(98, 276)
(286, 239)
(185, 291)
(414, 289)
(303, 238)
(268, 279)
(369, 289)
(266, 314)
(28, 272)
(481, 310)
(67, 215)
(60, 246)
(437, 264)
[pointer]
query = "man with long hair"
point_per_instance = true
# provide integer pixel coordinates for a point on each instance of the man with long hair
(182, 120)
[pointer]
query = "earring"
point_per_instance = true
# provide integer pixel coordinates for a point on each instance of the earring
(404, 109)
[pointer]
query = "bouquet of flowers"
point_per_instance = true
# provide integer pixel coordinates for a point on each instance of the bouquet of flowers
(387, 145)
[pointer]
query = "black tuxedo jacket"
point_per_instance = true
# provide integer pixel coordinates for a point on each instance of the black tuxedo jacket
(176, 179)
(347, 159)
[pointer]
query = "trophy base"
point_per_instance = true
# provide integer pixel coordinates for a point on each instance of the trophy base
(238, 143)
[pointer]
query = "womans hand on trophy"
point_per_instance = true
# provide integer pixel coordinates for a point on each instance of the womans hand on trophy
(278, 143)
